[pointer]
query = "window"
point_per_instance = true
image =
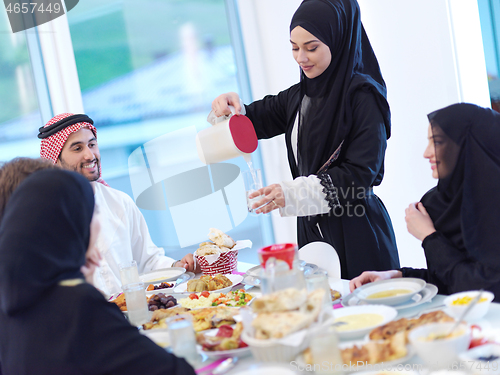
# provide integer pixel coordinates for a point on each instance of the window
(148, 74)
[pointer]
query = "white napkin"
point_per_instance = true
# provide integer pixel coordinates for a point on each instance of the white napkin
(243, 244)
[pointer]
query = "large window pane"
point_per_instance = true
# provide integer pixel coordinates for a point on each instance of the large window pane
(20, 115)
(149, 71)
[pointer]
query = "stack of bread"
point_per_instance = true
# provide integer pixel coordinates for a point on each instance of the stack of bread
(282, 322)
(216, 256)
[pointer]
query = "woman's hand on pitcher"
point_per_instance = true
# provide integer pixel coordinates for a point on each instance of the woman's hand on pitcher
(274, 198)
(221, 104)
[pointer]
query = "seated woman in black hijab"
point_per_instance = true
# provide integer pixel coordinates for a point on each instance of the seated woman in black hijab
(336, 123)
(51, 321)
(458, 221)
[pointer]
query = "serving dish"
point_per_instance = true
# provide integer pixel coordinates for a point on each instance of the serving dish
(386, 313)
(240, 352)
(161, 275)
(235, 279)
(423, 296)
(477, 312)
(390, 292)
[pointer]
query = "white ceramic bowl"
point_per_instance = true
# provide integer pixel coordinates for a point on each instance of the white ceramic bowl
(477, 312)
(439, 353)
(273, 350)
(386, 313)
(483, 358)
(412, 285)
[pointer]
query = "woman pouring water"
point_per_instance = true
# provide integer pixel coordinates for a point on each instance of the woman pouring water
(336, 122)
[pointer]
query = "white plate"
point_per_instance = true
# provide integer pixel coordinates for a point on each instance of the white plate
(425, 295)
(388, 313)
(235, 279)
(165, 274)
(301, 363)
(251, 280)
(240, 352)
(412, 285)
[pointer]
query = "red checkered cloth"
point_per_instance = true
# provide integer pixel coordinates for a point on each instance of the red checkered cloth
(52, 146)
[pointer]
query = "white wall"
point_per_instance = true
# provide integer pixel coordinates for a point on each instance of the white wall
(431, 55)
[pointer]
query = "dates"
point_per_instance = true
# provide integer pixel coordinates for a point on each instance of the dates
(161, 301)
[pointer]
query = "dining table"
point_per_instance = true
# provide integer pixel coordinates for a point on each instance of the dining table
(247, 365)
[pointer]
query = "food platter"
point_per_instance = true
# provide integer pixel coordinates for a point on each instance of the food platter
(161, 275)
(181, 279)
(240, 352)
(300, 360)
(386, 314)
(235, 279)
(423, 296)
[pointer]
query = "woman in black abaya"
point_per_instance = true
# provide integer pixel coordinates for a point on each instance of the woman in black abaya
(51, 321)
(336, 123)
(458, 220)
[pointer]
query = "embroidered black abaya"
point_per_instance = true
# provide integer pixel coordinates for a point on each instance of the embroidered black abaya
(464, 206)
(346, 108)
(47, 326)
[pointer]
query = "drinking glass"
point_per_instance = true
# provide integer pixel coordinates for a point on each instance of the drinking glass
(137, 306)
(319, 280)
(253, 182)
(325, 351)
(129, 273)
(182, 337)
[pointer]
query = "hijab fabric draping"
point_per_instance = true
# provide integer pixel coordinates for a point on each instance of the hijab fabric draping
(328, 118)
(464, 205)
(44, 236)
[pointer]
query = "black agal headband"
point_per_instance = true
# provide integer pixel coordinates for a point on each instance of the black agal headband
(64, 123)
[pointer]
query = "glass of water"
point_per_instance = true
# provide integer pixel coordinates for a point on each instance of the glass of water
(182, 337)
(253, 182)
(129, 273)
(137, 306)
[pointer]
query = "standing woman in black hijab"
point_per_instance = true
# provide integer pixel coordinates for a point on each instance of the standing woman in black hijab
(336, 123)
(51, 321)
(458, 221)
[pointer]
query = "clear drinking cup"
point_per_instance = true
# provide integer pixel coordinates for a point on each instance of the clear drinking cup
(253, 182)
(182, 337)
(137, 306)
(129, 273)
(325, 351)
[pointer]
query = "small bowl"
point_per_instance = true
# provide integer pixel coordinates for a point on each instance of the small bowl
(477, 312)
(367, 292)
(482, 358)
(159, 336)
(442, 352)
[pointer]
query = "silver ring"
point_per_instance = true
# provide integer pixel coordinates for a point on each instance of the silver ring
(276, 204)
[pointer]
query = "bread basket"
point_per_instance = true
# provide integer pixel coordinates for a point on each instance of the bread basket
(274, 350)
(226, 263)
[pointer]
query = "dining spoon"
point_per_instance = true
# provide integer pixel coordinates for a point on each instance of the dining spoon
(225, 366)
(464, 313)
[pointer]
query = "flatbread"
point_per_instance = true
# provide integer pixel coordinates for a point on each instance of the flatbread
(283, 300)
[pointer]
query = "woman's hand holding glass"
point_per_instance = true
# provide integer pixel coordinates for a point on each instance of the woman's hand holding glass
(371, 276)
(273, 198)
(221, 104)
(418, 221)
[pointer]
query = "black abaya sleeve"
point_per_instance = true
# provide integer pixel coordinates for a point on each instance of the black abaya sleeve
(271, 115)
(456, 270)
(362, 158)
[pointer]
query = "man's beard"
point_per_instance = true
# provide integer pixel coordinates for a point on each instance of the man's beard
(75, 169)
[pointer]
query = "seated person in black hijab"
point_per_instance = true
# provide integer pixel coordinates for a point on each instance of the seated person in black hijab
(51, 321)
(458, 221)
